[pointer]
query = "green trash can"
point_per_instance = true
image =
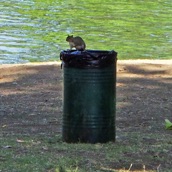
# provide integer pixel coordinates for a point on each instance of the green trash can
(89, 96)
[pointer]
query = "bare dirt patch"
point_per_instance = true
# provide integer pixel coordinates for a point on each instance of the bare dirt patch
(31, 104)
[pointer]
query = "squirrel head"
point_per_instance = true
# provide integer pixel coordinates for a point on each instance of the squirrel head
(69, 38)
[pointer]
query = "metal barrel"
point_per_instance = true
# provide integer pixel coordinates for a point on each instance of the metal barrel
(89, 99)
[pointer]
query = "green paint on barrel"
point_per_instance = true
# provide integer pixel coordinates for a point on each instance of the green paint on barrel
(89, 96)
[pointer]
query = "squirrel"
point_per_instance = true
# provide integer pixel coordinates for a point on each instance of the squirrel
(76, 42)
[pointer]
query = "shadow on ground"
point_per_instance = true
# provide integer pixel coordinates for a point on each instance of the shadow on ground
(31, 105)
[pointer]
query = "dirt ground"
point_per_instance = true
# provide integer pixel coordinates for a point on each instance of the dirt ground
(144, 100)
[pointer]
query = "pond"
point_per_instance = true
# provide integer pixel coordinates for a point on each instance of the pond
(35, 30)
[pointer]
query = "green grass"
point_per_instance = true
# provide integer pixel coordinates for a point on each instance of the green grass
(42, 153)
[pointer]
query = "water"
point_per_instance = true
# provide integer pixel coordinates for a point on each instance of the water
(35, 30)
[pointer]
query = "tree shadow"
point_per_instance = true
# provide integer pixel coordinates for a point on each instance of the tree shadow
(31, 104)
(144, 93)
(144, 101)
(31, 99)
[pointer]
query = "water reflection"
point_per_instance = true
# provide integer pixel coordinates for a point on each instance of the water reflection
(35, 30)
(14, 42)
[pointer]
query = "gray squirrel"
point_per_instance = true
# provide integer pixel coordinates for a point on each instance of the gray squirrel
(76, 42)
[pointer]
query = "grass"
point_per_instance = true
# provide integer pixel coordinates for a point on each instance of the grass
(31, 115)
(42, 153)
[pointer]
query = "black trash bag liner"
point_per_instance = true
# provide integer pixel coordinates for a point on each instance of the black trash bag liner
(88, 58)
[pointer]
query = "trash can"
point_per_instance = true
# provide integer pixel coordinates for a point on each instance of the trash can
(89, 96)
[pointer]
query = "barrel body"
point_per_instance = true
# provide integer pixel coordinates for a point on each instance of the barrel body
(89, 98)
